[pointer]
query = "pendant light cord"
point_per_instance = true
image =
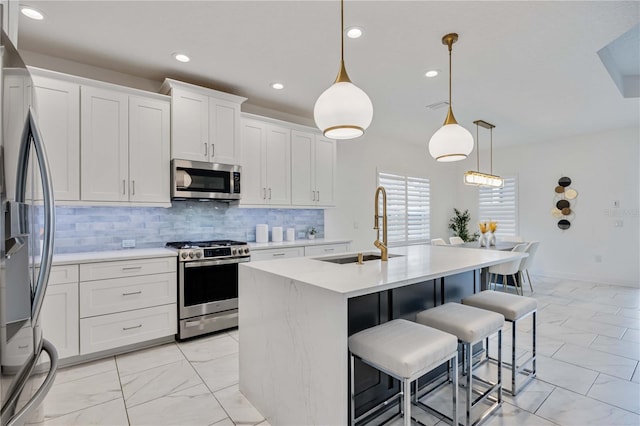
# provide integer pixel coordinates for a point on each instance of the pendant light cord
(342, 31)
(491, 150)
(477, 149)
(450, 48)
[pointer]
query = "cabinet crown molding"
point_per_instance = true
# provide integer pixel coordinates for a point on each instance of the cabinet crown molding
(170, 84)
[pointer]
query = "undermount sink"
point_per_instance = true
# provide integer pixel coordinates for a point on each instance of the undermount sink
(353, 258)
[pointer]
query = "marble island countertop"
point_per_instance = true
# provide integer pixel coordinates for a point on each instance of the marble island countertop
(412, 265)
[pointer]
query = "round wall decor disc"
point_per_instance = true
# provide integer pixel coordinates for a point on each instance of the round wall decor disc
(559, 189)
(564, 224)
(556, 212)
(562, 204)
(564, 181)
(566, 211)
(571, 194)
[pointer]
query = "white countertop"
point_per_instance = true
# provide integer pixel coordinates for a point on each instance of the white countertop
(417, 264)
(296, 243)
(105, 256)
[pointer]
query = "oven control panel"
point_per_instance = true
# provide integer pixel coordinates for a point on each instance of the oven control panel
(228, 252)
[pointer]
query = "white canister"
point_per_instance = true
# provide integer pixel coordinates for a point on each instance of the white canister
(262, 233)
(291, 234)
(276, 234)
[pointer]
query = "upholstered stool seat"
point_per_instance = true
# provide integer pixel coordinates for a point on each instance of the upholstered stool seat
(470, 325)
(406, 351)
(514, 308)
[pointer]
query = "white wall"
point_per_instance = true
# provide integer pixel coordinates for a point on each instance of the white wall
(357, 165)
(603, 168)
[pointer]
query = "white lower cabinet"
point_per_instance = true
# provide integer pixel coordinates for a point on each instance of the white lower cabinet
(280, 253)
(59, 315)
(125, 328)
(100, 306)
(322, 249)
(126, 302)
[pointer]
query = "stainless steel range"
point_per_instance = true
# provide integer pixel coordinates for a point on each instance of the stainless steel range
(208, 285)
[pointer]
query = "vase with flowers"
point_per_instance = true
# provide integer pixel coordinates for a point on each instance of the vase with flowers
(312, 233)
(488, 230)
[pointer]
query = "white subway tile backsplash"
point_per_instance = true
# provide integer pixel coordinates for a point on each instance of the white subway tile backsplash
(80, 229)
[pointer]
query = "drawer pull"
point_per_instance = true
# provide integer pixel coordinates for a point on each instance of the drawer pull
(131, 268)
(278, 254)
(23, 347)
(131, 328)
(132, 293)
(329, 250)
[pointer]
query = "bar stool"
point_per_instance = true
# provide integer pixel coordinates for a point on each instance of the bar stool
(514, 308)
(471, 325)
(406, 351)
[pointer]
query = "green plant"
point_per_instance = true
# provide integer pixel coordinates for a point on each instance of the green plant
(459, 225)
(312, 231)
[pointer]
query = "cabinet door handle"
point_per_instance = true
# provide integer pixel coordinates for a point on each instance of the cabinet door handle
(313, 195)
(131, 328)
(328, 250)
(269, 193)
(206, 150)
(133, 187)
(264, 193)
(131, 268)
(132, 293)
(213, 150)
(318, 195)
(278, 254)
(124, 186)
(23, 347)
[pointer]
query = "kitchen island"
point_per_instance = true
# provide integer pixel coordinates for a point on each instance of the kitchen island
(296, 315)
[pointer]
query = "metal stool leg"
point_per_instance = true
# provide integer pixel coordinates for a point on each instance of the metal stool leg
(467, 363)
(406, 399)
(352, 382)
(454, 390)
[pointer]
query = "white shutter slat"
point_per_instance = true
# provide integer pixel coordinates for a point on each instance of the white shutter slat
(500, 205)
(408, 208)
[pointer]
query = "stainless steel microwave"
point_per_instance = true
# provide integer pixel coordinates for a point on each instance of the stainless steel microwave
(200, 180)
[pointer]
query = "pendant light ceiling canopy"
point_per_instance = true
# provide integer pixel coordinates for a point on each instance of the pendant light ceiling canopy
(482, 179)
(451, 142)
(343, 111)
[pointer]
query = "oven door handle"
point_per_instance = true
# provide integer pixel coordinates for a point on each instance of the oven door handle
(201, 263)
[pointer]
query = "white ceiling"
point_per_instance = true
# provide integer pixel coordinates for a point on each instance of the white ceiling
(529, 67)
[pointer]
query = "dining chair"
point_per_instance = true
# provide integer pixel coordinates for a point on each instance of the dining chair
(508, 269)
(456, 240)
(438, 242)
(512, 238)
(532, 247)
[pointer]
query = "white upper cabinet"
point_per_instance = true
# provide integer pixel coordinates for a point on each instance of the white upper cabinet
(190, 131)
(104, 135)
(266, 163)
(149, 145)
(313, 160)
(58, 110)
(205, 123)
(107, 144)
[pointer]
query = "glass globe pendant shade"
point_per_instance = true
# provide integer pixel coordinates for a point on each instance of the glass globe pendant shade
(343, 111)
(451, 142)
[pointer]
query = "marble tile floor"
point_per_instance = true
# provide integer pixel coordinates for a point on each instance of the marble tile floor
(588, 373)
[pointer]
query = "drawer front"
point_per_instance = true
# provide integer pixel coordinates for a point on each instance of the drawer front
(282, 253)
(126, 328)
(127, 268)
(124, 294)
(15, 353)
(62, 274)
(319, 250)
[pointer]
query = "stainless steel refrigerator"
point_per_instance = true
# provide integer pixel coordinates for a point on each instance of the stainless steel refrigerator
(25, 190)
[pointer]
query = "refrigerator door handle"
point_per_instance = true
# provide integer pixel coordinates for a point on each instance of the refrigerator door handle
(32, 133)
(22, 416)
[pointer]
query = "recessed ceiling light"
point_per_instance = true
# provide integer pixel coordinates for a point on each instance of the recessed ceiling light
(354, 32)
(32, 13)
(181, 57)
(277, 86)
(431, 73)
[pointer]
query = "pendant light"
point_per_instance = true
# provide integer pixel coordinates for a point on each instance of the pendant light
(343, 111)
(482, 179)
(451, 142)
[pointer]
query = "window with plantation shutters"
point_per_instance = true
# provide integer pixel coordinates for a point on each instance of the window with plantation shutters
(500, 205)
(408, 209)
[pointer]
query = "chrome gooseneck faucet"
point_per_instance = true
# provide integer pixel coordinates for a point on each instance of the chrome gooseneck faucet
(382, 245)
